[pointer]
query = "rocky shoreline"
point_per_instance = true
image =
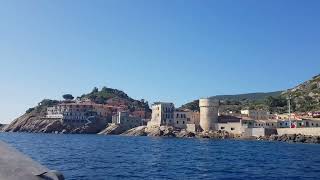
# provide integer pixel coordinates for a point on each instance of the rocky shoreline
(32, 124)
(171, 132)
(164, 131)
(294, 138)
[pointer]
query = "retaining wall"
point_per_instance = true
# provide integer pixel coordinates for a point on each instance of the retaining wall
(303, 131)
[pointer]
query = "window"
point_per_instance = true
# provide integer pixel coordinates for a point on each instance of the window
(222, 128)
(177, 122)
(182, 122)
(232, 129)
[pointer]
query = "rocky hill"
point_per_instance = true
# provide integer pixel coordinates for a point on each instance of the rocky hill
(305, 97)
(106, 94)
(236, 102)
(32, 120)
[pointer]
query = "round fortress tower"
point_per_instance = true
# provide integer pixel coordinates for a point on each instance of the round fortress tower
(208, 113)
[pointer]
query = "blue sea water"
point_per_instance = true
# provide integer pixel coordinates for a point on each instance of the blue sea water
(117, 157)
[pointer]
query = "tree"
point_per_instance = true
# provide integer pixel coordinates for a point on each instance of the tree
(68, 97)
(30, 110)
(95, 90)
(104, 89)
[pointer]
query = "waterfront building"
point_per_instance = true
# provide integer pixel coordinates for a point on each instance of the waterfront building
(72, 113)
(81, 112)
(124, 119)
(181, 119)
(208, 114)
(162, 114)
(230, 124)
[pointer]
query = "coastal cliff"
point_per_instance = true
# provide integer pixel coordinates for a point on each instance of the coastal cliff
(33, 123)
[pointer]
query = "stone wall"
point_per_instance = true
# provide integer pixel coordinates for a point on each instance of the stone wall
(258, 132)
(235, 128)
(254, 132)
(303, 131)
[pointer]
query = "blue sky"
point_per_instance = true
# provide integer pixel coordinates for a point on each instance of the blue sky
(159, 50)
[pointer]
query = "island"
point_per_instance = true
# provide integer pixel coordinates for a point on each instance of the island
(291, 115)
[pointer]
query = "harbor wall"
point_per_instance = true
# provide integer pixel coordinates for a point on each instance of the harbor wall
(303, 131)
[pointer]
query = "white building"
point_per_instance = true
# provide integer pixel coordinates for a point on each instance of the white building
(255, 114)
(72, 113)
(162, 114)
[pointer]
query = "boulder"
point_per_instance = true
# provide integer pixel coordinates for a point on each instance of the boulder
(185, 134)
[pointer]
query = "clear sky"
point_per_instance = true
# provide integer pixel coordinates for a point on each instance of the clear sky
(159, 50)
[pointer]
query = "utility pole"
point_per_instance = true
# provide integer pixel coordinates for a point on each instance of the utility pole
(289, 109)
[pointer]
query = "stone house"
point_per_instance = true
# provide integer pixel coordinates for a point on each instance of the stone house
(124, 119)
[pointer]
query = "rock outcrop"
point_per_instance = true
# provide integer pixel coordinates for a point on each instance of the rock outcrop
(216, 135)
(294, 138)
(113, 129)
(168, 131)
(165, 131)
(185, 134)
(2, 126)
(33, 123)
(138, 131)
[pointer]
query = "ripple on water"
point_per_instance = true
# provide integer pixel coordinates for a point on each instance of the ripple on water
(116, 157)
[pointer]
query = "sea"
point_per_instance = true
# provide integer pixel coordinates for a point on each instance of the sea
(120, 157)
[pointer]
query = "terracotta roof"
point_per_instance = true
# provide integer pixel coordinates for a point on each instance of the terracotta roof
(228, 119)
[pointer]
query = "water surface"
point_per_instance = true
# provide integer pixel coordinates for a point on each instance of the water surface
(116, 157)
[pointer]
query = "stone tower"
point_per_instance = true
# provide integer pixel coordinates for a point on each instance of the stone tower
(208, 114)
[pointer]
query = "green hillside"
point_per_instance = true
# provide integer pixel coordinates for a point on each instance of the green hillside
(236, 102)
(103, 95)
(305, 97)
(247, 97)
